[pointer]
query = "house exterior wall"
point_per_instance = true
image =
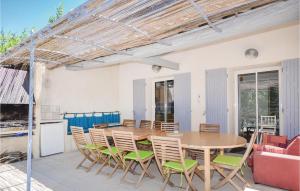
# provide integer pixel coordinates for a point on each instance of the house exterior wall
(111, 88)
(82, 91)
(273, 46)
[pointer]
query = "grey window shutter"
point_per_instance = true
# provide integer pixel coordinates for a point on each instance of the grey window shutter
(291, 97)
(216, 98)
(182, 101)
(139, 100)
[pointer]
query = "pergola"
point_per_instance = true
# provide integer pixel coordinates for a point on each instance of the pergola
(100, 33)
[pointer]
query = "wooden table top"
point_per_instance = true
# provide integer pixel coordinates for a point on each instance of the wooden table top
(192, 140)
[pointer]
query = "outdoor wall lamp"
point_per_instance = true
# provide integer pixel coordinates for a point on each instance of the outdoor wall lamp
(251, 53)
(156, 68)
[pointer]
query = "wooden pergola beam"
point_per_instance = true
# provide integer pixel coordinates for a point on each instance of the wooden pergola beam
(135, 29)
(68, 55)
(202, 13)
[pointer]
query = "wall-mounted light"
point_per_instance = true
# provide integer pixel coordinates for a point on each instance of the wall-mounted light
(156, 68)
(251, 53)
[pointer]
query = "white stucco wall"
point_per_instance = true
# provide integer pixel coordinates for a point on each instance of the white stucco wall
(82, 91)
(273, 46)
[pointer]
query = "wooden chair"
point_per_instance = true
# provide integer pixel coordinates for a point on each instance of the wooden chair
(107, 153)
(267, 126)
(101, 126)
(86, 149)
(145, 144)
(207, 128)
(169, 158)
(169, 127)
(129, 123)
(156, 124)
(234, 165)
(125, 142)
(145, 124)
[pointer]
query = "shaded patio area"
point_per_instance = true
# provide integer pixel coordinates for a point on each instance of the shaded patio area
(58, 172)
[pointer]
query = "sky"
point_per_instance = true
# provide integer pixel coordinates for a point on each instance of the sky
(17, 15)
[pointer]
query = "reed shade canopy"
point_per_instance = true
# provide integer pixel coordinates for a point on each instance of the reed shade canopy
(98, 29)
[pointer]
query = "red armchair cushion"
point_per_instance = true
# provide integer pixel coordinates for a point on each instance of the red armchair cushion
(294, 147)
(274, 140)
(273, 149)
(277, 170)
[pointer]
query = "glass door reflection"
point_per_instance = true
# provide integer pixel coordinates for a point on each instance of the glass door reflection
(164, 101)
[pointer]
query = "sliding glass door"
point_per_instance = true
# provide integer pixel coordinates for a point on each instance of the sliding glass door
(164, 101)
(258, 95)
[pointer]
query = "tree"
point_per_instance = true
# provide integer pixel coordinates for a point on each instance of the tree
(9, 39)
(59, 13)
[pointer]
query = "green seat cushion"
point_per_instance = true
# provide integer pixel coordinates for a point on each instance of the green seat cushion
(93, 146)
(144, 142)
(228, 160)
(188, 163)
(143, 155)
(114, 151)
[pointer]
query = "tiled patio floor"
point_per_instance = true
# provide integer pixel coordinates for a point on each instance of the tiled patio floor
(58, 173)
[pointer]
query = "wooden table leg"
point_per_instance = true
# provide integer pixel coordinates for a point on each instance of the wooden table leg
(207, 169)
(221, 151)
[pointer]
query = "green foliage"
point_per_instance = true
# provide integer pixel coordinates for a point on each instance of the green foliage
(59, 13)
(9, 39)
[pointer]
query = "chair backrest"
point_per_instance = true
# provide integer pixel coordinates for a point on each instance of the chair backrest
(145, 124)
(98, 137)
(124, 140)
(209, 128)
(129, 123)
(169, 127)
(268, 121)
(167, 149)
(78, 136)
(294, 147)
(101, 126)
(249, 147)
(157, 125)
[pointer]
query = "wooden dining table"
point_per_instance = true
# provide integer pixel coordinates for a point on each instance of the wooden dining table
(191, 140)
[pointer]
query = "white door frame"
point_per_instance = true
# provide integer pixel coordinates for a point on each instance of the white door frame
(236, 106)
(153, 92)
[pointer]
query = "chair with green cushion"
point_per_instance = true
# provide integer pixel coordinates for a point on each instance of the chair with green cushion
(124, 141)
(106, 152)
(169, 158)
(88, 150)
(145, 143)
(234, 165)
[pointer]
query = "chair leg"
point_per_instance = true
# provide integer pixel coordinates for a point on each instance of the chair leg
(80, 164)
(102, 166)
(145, 171)
(227, 178)
(127, 169)
(118, 164)
(243, 180)
(89, 167)
(189, 180)
(167, 178)
(146, 168)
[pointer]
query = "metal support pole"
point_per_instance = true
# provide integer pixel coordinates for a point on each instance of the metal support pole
(30, 115)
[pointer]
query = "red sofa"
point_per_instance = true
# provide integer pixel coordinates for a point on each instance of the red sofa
(278, 167)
